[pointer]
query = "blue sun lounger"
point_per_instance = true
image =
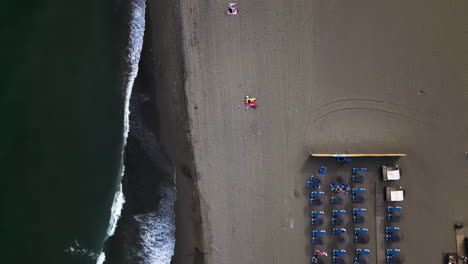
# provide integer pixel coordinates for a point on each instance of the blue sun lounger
(338, 256)
(394, 213)
(317, 236)
(317, 198)
(359, 175)
(337, 231)
(323, 170)
(361, 235)
(392, 234)
(362, 255)
(392, 255)
(359, 215)
(359, 195)
(313, 182)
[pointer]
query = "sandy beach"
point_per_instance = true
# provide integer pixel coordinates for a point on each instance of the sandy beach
(171, 125)
(329, 76)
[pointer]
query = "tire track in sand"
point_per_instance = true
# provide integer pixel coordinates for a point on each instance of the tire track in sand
(398, 110)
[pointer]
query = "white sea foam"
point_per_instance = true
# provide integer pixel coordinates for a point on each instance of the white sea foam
(157, 231)
(156, 228)
(116, 210)
(75, 249)
(135, 45)
(101, 258)
(132, 58)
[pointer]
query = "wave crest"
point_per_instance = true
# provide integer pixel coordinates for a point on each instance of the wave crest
(132, 57)
(157, 231)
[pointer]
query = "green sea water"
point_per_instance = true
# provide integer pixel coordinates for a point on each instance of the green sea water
(61, 131)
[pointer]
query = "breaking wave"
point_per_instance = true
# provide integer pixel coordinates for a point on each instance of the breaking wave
(153, 241)
(157, 231)
(133, 53)
(132, 58)
(101, 258)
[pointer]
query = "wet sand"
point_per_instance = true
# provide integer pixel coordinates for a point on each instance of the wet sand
(330, 76)
(172, 123)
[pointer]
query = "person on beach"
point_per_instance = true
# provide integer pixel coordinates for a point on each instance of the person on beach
(250, 102)
(232, 9)
(318, 253)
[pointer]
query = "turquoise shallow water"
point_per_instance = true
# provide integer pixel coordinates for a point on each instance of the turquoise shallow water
(62, 127)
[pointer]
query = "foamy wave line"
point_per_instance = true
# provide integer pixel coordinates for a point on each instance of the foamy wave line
(133, 53)
(135, 45)
(116, 209)
(101, 258)
(157, 231)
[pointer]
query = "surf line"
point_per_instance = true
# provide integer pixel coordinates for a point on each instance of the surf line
(132, 58)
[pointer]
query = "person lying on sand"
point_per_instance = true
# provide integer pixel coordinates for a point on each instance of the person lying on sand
(232, 9)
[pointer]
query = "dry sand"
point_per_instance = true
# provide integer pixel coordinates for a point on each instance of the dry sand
(330, 76)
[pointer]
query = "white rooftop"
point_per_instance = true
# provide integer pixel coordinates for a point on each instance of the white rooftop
(393, 175)
(396, 196)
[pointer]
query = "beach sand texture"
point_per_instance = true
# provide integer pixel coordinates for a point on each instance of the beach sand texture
(329, 76)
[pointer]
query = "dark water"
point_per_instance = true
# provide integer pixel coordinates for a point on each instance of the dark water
(62, 102)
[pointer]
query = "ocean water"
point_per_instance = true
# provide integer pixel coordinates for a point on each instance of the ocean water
(68, 71)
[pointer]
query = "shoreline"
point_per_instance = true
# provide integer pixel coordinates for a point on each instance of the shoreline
(165, 25)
